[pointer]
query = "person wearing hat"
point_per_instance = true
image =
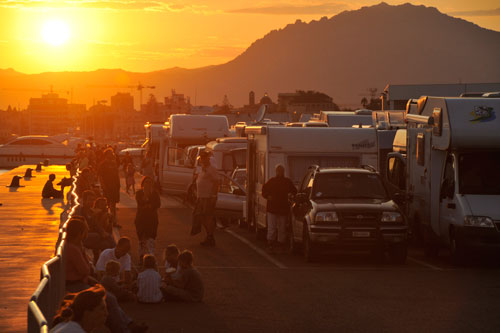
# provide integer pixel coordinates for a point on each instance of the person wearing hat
(207, 186)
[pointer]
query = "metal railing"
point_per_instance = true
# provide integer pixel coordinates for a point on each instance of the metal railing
(47, 297)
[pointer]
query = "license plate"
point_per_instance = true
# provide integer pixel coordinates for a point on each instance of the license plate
(360, 234)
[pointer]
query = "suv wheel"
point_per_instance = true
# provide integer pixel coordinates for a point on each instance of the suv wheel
(309, 250)
(398, 253)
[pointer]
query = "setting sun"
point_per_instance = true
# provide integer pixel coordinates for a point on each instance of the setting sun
(55, 32)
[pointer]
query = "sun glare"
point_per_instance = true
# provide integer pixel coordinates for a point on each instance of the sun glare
(55, 32)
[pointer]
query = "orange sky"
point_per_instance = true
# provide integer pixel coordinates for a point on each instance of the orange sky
(151, 35)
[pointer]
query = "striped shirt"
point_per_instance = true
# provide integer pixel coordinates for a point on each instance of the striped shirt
(149, 283)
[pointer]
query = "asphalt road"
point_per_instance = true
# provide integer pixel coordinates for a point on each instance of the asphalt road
(247, 290)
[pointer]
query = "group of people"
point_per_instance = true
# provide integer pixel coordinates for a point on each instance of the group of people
(99, 271)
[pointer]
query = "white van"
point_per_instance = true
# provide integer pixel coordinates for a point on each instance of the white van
(448, 172)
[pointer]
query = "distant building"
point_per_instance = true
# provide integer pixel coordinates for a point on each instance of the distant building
(122, 102)
(202, 109)
(305, 102)
(396, 96)
(51, 114)
(177, 103)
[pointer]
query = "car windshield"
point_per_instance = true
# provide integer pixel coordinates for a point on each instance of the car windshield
(478, 173)
(349, 186)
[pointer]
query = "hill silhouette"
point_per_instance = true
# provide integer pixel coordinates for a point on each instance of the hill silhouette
(341, 56)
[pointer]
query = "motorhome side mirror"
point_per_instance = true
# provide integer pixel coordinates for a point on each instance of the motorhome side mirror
(301, 198)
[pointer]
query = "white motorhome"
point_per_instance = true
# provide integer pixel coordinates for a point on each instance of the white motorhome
(449, 172)
(297, 149)
(183, 131)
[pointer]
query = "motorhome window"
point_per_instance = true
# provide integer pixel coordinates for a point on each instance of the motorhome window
(240, 157)
(349, 186)
(176, 156)
(478, 173)
(420, 149)
(227, 162)
(437, 114)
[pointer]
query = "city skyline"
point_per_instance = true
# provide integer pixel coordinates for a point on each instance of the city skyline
(143, 36)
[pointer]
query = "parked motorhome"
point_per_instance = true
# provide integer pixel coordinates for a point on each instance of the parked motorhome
(449, 173)
(182, 131)
(297, 149)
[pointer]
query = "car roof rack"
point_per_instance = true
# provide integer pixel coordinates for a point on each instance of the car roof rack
(368, 167)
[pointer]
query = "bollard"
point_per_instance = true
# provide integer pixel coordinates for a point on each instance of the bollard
(46, 162)
(28, 173)
(15, 182)
(39, 167)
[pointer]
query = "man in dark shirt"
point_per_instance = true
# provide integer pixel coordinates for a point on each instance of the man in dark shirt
(276, 191)
(49, 191)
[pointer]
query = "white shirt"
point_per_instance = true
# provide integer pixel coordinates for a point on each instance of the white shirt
(109, 254)
(149, 283)
(67, 327)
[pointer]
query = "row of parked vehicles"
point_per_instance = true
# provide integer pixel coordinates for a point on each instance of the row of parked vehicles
(427, 173)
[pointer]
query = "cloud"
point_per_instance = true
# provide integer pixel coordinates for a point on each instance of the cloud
(286, 9)
(484, 12)
(149, 5)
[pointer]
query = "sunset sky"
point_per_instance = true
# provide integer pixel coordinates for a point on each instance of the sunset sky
(140, 36)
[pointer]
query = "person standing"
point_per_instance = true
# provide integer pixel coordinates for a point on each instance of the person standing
(109, 179)
(276, 191)
(207, 186)
(146, 219)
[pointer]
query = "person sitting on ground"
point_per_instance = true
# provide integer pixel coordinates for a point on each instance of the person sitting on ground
(99, 234)
(78, 268)
(110, 281)
(121, 254)
(171, 256)
(188, 285)
(49, 191)
(149, 282)
(82, 312)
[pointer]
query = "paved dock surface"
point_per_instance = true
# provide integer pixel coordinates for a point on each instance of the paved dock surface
(28, 233)
(247, 290)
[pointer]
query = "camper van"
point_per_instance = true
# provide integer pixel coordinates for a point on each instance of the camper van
(448, 172)
(183, 131)
(297, 149)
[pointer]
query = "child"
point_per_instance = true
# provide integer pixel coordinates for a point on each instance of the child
(110, 281)
(188, 285)
(149, 282)
(171, 255)
(129, 177)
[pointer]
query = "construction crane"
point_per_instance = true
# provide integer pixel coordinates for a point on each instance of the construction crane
(140, 87)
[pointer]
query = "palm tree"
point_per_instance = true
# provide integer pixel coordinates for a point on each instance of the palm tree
(364, 102)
